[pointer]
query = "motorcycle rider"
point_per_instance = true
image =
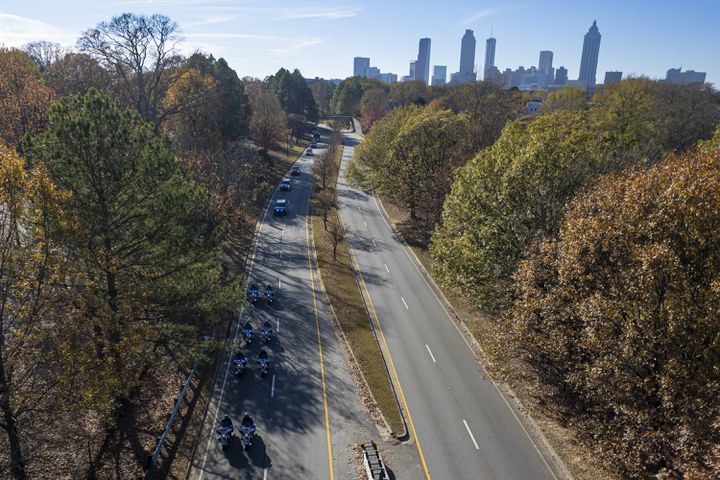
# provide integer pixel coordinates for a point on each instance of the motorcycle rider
(247, 329)
(269, 293)
(226, 426)
(266, 331)
(253, 292)
(239, 360)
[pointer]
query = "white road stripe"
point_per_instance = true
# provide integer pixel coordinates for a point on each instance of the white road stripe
(365, 223)
(405, 303)
(430, 352)
(279, 283)
(374, 244)
(265, 474)
(272, 388)
(388, 270)
(278, 326)
(472, 437)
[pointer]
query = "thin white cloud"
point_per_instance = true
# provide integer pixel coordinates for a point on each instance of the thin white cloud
(16, 31)
(298, 45)
(233, 36)
(209, 20)
(323, 13)
(486, 12)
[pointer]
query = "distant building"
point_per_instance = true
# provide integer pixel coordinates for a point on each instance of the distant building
(612, 77)
(466, 73)
(361, 65)
(561, 76)
(533, 107)
(676, 75)
(489, 59)
(413, 70)
(389, 77)
(545, 62)
(422, 67)
(439, 76)
(373, 72)
(589, 59)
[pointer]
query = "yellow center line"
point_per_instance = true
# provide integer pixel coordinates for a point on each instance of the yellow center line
(387, 349)
(317, 326)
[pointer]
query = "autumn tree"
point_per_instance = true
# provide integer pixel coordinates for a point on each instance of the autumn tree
(293, 93)
(569, 99)
(324, 202)
(325, 168)
(373, 106)
(268, 123)
(31, 313)
(76, 73)
(24, 96)
(141, 52)
(618, 315)
(146, 270)
(514, 193)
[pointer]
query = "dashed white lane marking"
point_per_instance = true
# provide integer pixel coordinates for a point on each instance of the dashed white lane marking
(404, 302)
(278, 326)
(386, 268)
(365, 223)
(265, 474)
(430, 352)
(272, 388)
(472, 437)
(374, 244)
(279, 283)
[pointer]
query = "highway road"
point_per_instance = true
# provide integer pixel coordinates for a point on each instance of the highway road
(461, 424)
(307, 409)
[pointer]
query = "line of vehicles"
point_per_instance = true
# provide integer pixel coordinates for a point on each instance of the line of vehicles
(248, 428)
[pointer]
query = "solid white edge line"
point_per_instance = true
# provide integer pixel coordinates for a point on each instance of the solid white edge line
(442, 305)
(279, 283)
(472, 437)
(272, 388)
(404, 302)
(278, 326)
(430, 352)
(386, 267)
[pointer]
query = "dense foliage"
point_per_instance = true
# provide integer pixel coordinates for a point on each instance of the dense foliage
(619, 316)
(293, 93)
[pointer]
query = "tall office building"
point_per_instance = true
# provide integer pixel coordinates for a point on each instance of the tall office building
(589, 59)
(489, 59)
(545, 62)
(439, 76)
(413, 70)
(467, 74)
(422, 67)
(676, 75)
(361, 65)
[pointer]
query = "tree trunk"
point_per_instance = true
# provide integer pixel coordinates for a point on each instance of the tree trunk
(17, 461)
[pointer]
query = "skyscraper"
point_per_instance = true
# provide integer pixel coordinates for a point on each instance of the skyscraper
(589, 59)
(612, 77)
(422, 67)
(361, 65)
(439, 76)
(489, 59)
(466, 74)
(561, 77)
(545, 62)
(413, 70)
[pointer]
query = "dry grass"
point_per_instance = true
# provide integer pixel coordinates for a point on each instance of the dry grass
(507, 369)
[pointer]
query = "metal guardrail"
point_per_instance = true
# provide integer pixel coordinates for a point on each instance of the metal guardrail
(374, 466)
(156, 454)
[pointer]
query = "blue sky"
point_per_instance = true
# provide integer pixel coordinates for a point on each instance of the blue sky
(321, 37)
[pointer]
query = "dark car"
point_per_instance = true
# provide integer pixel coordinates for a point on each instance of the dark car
(309, 152)
(295, 170)
(314, 145)
(281, 207)
(285, 185)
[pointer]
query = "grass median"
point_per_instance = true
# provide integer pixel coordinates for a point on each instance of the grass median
(347, 303)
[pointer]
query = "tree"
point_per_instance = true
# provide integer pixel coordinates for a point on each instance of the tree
(268, 123)
(298, 125)
(24, 96)
(514, 193)
(618, 315)
(76, 73)
(141, 53)
(30, 318)
(44, 54)
(569, 99)
(347, 96)
(373, 106)
(325, 168)
(322, 91)
(146, 271)
(293, 93)
(323, 202)
(336, 233)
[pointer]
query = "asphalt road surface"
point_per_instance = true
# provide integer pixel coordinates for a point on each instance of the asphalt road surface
(307, 409)
(462, 426)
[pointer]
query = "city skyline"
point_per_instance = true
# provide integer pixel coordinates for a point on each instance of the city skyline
(314, 39)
